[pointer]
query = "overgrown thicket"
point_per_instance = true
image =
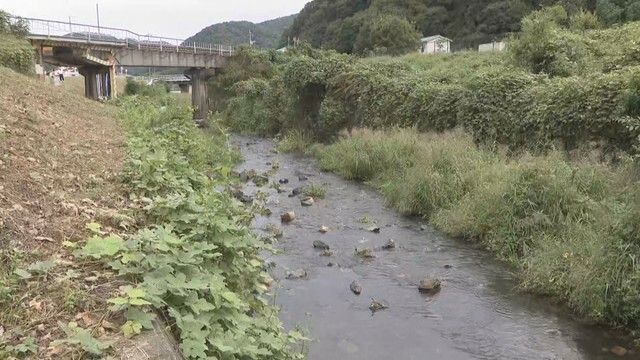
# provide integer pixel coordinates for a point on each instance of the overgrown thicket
(571, 228)
(197, 261)
(15, 52)
(564, 83)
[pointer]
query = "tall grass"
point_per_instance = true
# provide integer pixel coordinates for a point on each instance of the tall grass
(570, 227)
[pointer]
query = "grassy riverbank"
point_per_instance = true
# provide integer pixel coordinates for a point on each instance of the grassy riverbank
(570, 227)
(113, 215)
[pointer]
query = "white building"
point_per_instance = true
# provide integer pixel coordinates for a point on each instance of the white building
(435, 45)
(493, 46)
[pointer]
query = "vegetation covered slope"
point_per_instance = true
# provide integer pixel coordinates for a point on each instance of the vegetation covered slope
(265, 34)
(336, 24)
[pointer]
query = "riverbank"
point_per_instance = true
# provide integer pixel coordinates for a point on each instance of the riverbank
(569, 227)
(116, 220)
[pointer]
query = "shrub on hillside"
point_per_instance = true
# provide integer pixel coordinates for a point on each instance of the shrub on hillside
(16, 54)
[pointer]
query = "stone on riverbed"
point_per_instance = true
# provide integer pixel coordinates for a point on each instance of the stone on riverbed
(365, 253)
(308, 201)
(327, 253)
(355, 287)
(374, 229)
(429, 285)
(377, 306)
(299, 190)
(321, 245)
(288, 217)
(297, 274)
(324, 229)
(390, 245)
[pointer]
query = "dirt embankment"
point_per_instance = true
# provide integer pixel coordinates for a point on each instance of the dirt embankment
(59, 156)
(58, 153)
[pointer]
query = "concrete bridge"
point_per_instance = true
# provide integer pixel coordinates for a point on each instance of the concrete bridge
(97, 51)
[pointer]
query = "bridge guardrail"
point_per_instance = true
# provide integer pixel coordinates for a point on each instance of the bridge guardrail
(121, 37)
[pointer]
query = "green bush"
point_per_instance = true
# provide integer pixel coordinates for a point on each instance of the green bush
(194, 258)
(16, 54)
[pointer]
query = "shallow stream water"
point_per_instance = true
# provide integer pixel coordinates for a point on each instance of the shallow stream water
(478, 314)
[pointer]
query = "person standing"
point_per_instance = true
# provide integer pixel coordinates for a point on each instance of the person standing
(61, 75)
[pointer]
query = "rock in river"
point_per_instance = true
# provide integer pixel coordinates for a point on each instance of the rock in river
(390, 245)
(299, 190)
(374, 229)
(327, 253)
(297, 274)
(308, 201)
(288, 217)
(324, 229)
(365, 253)
(429, 285)
(303, 178)
(356, 288)
(377, 306)
(321, 245)
(283, 181)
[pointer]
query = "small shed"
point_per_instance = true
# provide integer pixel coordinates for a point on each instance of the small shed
(435, 45)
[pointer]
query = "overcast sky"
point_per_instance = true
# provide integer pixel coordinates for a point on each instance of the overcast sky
(169, 18)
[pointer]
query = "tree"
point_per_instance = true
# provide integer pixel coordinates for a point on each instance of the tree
(387, 35)
(14, 26)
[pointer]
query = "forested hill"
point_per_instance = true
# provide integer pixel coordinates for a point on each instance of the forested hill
(265, 34)
(336, 24)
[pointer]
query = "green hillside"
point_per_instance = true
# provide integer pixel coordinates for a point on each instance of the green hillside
(336, 24)
(265, 34)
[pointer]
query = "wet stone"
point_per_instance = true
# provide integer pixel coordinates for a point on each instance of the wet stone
(390, 245)
(365, 253)
(308, 201)
(429, 285)
(303, 178)
(288, 217)
(355, 287)
(377, 306)
(374, 229)
(327, 253)
(321, 245)
(296, 274)
(283, 181)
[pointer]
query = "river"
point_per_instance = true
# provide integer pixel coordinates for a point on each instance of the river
(478, 314)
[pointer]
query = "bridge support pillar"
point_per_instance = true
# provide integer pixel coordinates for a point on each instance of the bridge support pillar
(185, 88)
(199, 98)
(99, 82)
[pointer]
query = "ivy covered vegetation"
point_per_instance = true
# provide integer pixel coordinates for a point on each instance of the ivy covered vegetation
(196, 261)
(531, 152)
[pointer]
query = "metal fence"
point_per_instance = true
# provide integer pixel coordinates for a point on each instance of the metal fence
(60, 30)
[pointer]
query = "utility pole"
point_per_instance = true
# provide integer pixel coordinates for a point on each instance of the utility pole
(98, 16)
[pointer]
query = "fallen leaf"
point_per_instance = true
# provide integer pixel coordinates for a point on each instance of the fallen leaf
(44, 238)
(108, 325)
(35, 304)
(55, 350)
(86, 318)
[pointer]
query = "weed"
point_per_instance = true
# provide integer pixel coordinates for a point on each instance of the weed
(294, 141)
(315, 191)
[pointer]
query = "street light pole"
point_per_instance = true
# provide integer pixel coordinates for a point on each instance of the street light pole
(98, 17)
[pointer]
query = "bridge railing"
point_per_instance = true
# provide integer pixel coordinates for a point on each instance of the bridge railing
(120, 37)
